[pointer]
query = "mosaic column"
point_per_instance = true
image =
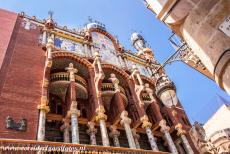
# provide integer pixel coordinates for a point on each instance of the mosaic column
(74, 122)
(66, 128)
(73, 113)
(136, 138)
(114, 133)
(147, 126)
(44, 108)
(126, 121)
(101, 118)
(165, 130)
(181, 133)
(92, 133)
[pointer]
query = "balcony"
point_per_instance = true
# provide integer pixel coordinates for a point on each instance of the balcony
(108, 89)
(64, 76)
(59, 83)
(32, 146)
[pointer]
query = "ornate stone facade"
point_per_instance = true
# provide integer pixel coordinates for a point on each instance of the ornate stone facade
(88, 89)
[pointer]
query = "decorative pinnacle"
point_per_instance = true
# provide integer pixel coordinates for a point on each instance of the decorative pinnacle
(50, 13)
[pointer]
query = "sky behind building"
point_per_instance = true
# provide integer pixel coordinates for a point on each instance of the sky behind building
(198, 94)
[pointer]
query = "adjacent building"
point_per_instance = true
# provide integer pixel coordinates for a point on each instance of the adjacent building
(204, 25)
(214, 136)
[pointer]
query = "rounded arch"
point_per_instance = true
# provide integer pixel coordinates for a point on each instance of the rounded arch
(65, 54)
(117, 70)
(110, 36)
(150, 81)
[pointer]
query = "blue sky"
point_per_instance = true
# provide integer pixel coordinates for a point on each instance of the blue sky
(198, 94)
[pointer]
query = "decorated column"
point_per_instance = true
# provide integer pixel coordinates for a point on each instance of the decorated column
(165, 130)
(147, 126)
(126, 121)
(101, 118)
(66, 128)
(73, 112)
(136, 138)
(43, 107)
(181, 133)
(114, 133)
(92, 133)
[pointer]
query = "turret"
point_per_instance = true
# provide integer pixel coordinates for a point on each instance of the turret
(139, 44)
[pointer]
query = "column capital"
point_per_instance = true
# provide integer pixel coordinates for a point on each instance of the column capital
(92, 129)
(100, 113)
(145, 122)
(124, 118)
(164, 126)
(44, 104)
(113, 131)
(179, 129)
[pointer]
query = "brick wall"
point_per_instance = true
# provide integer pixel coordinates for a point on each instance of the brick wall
(21, 89)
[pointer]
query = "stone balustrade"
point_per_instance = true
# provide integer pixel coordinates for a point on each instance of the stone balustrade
(64, 76)
(110, 87)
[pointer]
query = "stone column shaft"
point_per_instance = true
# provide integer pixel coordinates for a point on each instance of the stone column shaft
(41, 126)
(101, 117)
(116, 141)
(66, 135)
(147, 125)
(186, 144)
(136, 138)
(151, 139)
(165, 130)
(181, 133)
(125, 121)
(104, 134)
(114, 134)
(74, 127)
(171, 144)
(93, 138)
(129, 136)
(92, 131)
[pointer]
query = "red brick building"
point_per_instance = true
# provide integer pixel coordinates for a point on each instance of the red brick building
(82, 87)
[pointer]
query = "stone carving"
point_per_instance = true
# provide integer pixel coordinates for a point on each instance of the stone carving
(139, 85)
(114, 133)
(99, 74)
(115, 82)
(200, 140)
(71, 70)
(20, 126)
